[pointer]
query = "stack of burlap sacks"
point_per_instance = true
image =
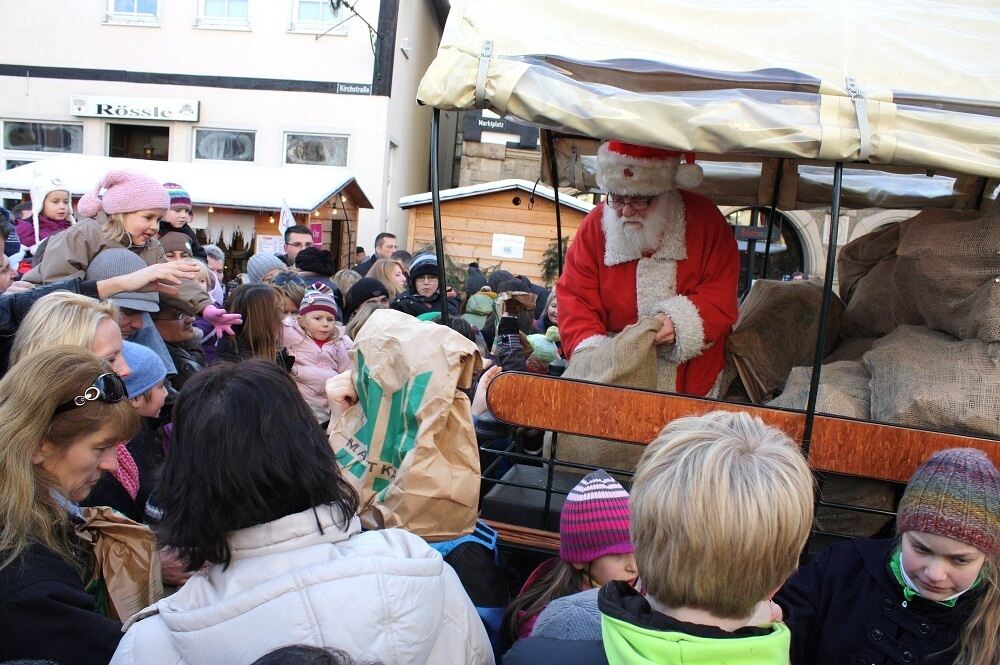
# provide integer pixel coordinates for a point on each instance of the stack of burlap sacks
(914, 340)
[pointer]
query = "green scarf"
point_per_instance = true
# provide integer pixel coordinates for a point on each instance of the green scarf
(909, 593)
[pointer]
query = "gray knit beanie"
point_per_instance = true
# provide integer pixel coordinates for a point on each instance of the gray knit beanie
(260, 264)
(117, 262)
(574, 617)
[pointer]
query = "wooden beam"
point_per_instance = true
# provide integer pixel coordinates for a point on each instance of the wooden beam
(839, 445)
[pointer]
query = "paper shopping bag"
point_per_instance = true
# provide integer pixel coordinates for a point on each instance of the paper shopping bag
(408, 445)
(126, 558)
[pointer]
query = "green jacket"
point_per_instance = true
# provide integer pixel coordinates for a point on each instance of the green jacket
(634, 634)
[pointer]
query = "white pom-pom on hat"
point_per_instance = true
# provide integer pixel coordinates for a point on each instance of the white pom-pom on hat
(689, 174)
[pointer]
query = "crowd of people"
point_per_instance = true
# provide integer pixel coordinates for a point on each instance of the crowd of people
(136, 377)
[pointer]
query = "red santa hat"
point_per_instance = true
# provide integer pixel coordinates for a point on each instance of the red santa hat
(636, 170)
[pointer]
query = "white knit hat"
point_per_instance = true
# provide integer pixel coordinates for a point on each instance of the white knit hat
(635, 170)
(42, 185)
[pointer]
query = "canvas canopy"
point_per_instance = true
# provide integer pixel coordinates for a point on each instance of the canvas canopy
(908, 86)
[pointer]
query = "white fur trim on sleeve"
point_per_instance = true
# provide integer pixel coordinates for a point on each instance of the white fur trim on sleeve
(688, 328)
(592, 342)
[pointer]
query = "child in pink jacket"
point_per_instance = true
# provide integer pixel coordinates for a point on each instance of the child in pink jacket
(320, 347)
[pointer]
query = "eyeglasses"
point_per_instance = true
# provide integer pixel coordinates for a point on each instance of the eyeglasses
(107, 388)
(636, 202)
(285, 277)
(177, 316)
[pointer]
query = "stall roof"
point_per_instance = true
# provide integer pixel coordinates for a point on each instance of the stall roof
(497, 186)
(907, 83)
(209, 183)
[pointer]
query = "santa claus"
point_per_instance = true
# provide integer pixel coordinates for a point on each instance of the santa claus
(653, 250)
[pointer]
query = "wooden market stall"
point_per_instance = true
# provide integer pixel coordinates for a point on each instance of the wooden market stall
(505, 224)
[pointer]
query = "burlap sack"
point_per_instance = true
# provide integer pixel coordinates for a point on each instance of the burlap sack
(930, 380)
(850, 348)
(126, 559)
(874, 309)
(628, 359)
(858, 257)
(843, 391)
(777, 331)
(408, 445)
(947, 272)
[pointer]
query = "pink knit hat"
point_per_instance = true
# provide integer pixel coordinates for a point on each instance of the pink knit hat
(124, 191)
(595, 520)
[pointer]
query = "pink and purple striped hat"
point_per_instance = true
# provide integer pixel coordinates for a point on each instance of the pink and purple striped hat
(955, 494)
(595, 520)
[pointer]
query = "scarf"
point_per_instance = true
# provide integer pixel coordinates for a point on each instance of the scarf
(127, 473)
(910, 589)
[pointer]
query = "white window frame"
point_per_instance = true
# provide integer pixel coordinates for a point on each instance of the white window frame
(194, 144)
(112, 17)
(309, 132)
(34, 155)
(317, 27)
(223, 23)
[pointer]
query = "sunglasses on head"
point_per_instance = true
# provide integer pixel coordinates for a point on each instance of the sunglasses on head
(285, 277)
(107, 388)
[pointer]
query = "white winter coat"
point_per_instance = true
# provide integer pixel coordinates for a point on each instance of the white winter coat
(382, 595)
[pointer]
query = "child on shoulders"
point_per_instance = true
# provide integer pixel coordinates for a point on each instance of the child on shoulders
(320, 347)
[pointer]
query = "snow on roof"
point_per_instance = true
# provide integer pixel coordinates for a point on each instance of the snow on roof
(232, 185)
(496, 186)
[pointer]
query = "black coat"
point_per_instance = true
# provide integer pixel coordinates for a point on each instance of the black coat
(415, 305)
(845, 606)
(366, 265)
(45, 613)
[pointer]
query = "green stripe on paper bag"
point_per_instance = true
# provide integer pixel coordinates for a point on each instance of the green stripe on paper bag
(401, 432)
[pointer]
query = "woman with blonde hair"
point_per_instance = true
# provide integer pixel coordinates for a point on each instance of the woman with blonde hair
(361, 316)
(123, 210)
(64, 410)
(391, 274)
(70, 318)
(345, 279)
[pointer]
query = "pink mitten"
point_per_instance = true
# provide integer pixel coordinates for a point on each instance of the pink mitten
(220, 320)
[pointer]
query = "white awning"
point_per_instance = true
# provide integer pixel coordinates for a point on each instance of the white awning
(497, 186)
(233, 185)
(905, 83)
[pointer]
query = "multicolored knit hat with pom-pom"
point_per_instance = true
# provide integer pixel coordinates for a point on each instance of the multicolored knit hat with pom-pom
(955, 494)
(179, 197)
(595, 520)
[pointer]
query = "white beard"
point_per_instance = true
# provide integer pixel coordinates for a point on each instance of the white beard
(624, 241)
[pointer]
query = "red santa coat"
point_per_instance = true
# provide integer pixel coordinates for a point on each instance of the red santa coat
(692, 277)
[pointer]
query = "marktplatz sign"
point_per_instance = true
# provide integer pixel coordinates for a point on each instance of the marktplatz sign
(134, 108)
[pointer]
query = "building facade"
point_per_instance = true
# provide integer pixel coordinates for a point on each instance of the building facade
(297, 84)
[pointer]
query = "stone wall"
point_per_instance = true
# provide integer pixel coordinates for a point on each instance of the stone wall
(488, 162)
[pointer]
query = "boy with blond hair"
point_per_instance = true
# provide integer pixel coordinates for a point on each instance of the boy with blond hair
(722, 505)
